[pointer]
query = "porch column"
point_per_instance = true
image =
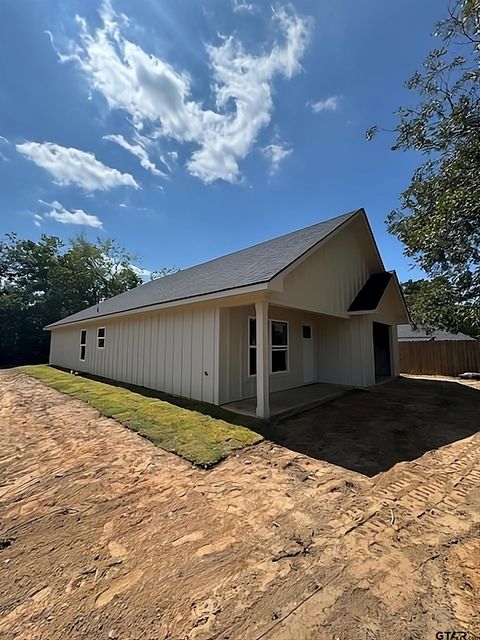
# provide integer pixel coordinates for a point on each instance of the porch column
(263, 361)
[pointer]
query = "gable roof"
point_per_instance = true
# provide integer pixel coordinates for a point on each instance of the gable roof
(406, 333)
(252, 266)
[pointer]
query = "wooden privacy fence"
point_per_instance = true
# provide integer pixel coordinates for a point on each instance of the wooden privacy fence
(442, 358)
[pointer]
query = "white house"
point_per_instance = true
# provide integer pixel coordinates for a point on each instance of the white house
(312, 306)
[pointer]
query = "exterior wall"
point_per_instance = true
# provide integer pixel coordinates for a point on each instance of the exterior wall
(65, 348)
(343, 351)
(328, 280)
(171, 351)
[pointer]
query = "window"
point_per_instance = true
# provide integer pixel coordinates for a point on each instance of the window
(278, 342)
(307, 331)
(252, 346)
(101, 338)
(279, 346)
(83, 344)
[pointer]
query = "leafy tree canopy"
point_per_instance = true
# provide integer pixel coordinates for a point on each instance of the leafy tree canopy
(41, 282)
(439, 217)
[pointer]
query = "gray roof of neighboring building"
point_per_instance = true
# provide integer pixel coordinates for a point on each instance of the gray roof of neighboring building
(406, 333)
(254, 265)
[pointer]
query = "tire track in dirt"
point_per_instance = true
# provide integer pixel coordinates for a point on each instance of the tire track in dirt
(112, 537)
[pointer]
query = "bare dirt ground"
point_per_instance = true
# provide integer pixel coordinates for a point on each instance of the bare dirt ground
(102, 535)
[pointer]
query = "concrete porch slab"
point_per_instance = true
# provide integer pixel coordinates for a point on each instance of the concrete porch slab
(291, 401)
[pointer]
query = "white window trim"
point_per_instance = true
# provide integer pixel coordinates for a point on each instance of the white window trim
(83, 344)
(307, 324)
(249, 346)
(104, 337)
(279, 348)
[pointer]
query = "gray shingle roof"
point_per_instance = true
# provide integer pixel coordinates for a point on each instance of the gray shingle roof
(255, 265)
(406, 333)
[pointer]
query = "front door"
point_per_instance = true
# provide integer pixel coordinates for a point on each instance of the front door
(308, 355)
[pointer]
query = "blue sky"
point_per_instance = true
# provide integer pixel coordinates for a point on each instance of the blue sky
(188, 129)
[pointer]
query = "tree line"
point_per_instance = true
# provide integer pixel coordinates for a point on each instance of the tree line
(41, 282)
(438, 220)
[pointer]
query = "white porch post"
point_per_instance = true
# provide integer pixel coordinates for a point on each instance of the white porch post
(263, 361)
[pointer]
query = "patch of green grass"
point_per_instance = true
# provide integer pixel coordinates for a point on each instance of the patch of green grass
(200, 438)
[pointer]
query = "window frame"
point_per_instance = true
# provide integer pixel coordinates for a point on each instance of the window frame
(250, 347)
(307, 324)
(104, 337)
(271, 347)
(285, 347)
(83, 345)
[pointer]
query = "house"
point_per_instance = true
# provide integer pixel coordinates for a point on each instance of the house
(312, 306)
(406, 333)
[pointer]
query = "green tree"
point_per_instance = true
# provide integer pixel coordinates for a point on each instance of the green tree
(43, 281)
(439, 217)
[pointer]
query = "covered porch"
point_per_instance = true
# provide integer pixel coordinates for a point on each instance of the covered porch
(276, 360)
(291, 401)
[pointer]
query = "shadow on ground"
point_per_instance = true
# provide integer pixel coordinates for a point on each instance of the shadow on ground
(370, 431)
(366, 431)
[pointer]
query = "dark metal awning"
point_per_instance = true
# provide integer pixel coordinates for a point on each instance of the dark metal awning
(369, 296)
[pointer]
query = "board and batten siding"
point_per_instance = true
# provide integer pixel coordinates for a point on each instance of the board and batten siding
(328, 280)
(235, 382)
(343, 351)
(171, 351)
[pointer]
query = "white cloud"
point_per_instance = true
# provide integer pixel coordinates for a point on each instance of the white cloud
(77, 216)
(240, 6)
(3, 156)
(276, 153)
(159, 100)
(73, 166)
(37, 220)
(329, 104)
(138, 151)
(145, 274)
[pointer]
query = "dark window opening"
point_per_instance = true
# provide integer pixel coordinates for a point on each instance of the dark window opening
(83, 344)
(101, 338)
(279, 360)
(252, 364)
(279, 334)
(279, 346)
(252, 347)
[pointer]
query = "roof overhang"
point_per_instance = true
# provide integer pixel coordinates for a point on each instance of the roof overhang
(227, 293)
(367, 300)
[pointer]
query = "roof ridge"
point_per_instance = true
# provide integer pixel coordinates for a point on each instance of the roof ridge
(252, 265)
(259, 244)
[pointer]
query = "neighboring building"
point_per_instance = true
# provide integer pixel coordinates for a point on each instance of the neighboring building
(406, 333)
(315, 305)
